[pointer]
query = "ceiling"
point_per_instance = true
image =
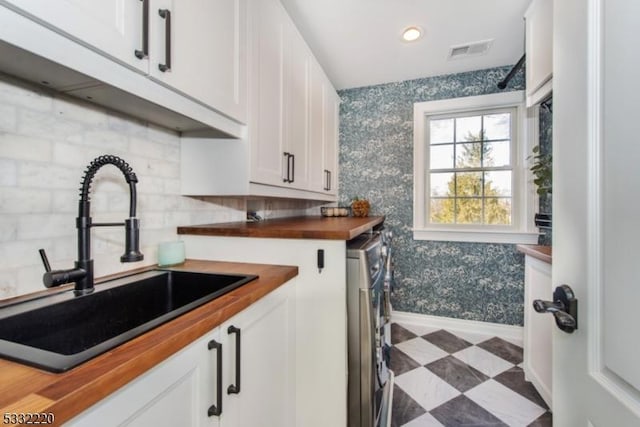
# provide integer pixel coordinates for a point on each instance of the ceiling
(358, 42)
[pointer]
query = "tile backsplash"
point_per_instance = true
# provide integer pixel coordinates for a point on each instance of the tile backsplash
(46, 141)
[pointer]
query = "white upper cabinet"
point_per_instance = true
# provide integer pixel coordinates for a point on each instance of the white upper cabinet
(267, 128)
(195, 48)
(113, 27)
(291, 147)
(323, 140)
(207, 51)
(539, 49)
(331, 132)
(297, 63)
(280, 98)
(288, 104)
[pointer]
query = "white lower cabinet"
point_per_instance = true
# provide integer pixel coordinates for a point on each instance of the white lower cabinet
(320, 320)
(538, 327)
(183, 390)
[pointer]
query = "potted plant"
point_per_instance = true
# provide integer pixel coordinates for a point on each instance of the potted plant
(542, 169)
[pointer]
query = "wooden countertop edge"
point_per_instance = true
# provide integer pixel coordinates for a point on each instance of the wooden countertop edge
(543, 253)
(27, 389)
(283, 229)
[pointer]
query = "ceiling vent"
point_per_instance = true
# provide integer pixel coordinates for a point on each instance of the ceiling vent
(470, 49)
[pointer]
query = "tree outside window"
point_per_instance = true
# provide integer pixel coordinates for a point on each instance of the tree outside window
(470, 175)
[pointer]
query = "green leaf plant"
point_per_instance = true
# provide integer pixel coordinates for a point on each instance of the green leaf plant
(542, 168)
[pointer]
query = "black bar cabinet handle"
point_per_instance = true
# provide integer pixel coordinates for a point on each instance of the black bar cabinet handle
(141, 54)
(328, 180)
(293, 168)
(235, 388)
(217, 408)
(166, 15)
(286, 177)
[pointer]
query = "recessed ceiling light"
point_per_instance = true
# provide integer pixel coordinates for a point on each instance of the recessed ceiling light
(411, 34)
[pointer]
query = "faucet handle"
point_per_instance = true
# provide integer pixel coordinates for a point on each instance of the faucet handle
(45, 260)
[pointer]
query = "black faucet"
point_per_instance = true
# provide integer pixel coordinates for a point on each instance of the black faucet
(82, 273)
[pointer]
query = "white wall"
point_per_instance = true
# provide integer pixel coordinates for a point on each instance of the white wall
(46, 141)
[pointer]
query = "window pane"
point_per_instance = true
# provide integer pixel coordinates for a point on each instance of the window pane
(469, 184)
(468, 155)
(497, 211)
(442, 184)
(468, 129)
(441, 131)
(497, 126)
(497, 153)
(441, 156)
(497, 183)
(469, 211)
(442, 211)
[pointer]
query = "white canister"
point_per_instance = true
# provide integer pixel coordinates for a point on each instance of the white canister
(170, 253)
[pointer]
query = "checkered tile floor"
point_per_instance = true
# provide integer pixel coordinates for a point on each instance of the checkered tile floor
(461, 379)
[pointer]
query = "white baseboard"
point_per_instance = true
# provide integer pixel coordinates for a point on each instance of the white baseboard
(510, 333)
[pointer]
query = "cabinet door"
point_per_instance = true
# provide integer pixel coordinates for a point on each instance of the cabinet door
(317, 174)
(267, 93)
(207, 51)
(177, 392)
(297, 64)
(113, 27)
(539, 49)
(267, 363)
(538, 328)
(331, 120)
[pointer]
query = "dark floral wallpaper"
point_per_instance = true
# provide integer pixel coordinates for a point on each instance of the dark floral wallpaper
(472, 281)
(546, 139)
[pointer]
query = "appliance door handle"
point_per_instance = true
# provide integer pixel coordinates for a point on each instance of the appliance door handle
(386, 307)
(141, 54)
(166, 15)
(235, 388)
(217, 408)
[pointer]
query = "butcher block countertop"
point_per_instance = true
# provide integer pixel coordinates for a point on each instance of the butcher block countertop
(26, 389)
(543, 253)
(308, 227)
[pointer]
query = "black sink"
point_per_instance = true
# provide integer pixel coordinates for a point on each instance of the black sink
(61, 331)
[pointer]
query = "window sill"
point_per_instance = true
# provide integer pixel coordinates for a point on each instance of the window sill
(476, 236)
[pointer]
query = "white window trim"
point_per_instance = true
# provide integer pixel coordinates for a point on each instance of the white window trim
(523, 230)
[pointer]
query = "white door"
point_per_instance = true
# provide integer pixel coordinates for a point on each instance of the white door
(112, 27)
(596, 372)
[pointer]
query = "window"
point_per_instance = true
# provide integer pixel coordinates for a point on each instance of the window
(470, 183)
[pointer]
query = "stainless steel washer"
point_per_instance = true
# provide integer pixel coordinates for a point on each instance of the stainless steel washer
(370, 381)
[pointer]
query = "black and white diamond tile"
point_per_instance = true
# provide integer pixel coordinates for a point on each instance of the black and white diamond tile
(457, 379)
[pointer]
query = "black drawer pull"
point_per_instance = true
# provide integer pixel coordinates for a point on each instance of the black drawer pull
(141, 54)
(286, 155)
(166, 15)
(293, 168)
(235, 389)
(217, 408)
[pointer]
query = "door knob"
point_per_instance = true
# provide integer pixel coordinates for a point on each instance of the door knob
(564, 308)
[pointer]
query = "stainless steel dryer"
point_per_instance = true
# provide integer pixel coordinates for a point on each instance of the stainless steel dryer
(370, 381)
